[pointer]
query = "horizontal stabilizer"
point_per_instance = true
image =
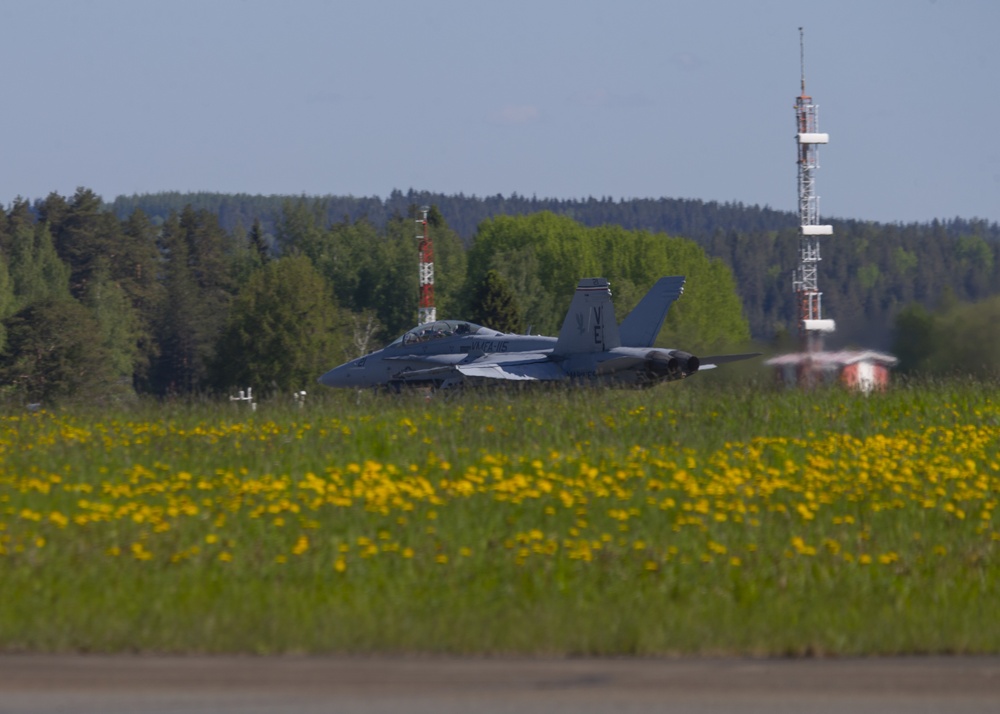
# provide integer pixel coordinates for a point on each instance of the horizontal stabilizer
(641, 326)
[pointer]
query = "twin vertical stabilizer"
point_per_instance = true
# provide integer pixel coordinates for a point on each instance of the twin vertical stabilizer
(590, 324)
(641, 326)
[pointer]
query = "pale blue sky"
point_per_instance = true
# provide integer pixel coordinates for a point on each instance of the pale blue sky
(566, 99)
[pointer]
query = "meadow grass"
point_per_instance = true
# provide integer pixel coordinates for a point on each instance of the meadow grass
(710, 518)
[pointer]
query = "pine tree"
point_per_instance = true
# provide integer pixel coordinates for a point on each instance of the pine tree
(299, 230)
(251, 252)
(174, 367)
(82, 232)
(136, 272)
(36, 271)
(495, 306)
(7, 299)
(118, 323)
(54, 354)
(258, 242)
(135, 262)
(197, 291)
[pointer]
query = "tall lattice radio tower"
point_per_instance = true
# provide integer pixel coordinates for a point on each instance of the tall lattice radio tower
(427, 311)
(812, 326)
(862, 370)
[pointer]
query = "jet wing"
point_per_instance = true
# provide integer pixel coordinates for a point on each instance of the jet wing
(515, 367)
(546, 371)
(443, 359)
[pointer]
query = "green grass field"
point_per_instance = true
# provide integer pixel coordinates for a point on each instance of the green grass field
(690, 518)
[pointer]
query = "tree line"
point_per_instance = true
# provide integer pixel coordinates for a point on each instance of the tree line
(104, 305)
(100, 306)
(869, 273)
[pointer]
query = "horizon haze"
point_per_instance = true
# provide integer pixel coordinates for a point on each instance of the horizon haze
(631, 100)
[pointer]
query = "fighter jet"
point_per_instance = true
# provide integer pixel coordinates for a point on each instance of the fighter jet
(591, 348)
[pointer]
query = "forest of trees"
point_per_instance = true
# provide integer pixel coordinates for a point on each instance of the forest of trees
(101, 307)
(180, 294)
(869, 273)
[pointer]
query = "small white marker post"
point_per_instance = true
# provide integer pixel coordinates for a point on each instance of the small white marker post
(246, 396)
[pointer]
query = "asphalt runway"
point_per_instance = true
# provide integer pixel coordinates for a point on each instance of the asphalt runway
(38, 684)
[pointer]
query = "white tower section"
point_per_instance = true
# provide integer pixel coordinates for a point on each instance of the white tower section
(805, 282)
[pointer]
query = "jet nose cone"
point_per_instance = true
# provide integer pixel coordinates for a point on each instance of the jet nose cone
(356, 373)
(336, 377)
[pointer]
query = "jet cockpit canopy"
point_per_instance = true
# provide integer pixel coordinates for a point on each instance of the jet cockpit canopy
(442, 328)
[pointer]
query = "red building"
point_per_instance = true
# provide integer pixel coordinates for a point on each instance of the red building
(861, 370)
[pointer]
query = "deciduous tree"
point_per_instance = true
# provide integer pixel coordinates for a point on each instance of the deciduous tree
(282, 331)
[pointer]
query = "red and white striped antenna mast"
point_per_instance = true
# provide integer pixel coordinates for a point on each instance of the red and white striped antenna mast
(427, 311)
(805, 282)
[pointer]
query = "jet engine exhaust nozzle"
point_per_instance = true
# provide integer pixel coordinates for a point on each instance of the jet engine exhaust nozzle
(689, 363)
(672, 365)
(661, 364)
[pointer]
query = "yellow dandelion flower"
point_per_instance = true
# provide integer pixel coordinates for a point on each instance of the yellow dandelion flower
(717, 547)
